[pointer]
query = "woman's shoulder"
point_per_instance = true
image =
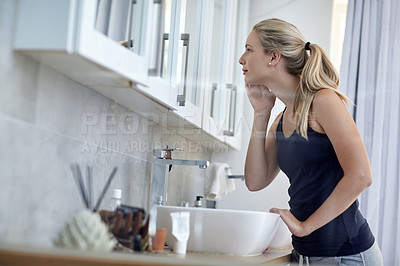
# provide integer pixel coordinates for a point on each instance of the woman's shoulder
(325, 100)
(326, 104)
(326, 95)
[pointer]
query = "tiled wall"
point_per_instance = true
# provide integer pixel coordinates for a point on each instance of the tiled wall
(46, 123)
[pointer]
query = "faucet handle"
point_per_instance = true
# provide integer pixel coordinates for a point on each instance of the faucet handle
(165, 153)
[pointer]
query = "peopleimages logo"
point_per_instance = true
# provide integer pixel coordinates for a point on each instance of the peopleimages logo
(142, 146)
(126, 123)
(129, 123)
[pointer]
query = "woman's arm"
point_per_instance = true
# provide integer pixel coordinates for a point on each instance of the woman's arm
(333, 116)
(261, 165)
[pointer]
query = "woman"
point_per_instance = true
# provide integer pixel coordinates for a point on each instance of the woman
(314, 141)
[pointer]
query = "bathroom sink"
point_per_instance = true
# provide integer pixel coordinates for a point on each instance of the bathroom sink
(223, 231)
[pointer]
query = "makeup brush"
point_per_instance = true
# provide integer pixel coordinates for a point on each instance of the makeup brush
(89, 187)
(76, 173)
(105, 189)
(81, 185)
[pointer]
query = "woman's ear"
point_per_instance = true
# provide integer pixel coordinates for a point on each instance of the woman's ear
(274, 58)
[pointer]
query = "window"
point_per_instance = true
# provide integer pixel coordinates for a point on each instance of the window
(338, 26)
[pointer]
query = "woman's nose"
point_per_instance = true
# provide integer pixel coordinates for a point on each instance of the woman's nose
(241, 61)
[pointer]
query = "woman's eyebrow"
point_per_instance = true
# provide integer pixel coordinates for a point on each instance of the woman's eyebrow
(247, 45)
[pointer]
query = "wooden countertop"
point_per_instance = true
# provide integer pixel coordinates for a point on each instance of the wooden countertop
(28, 255)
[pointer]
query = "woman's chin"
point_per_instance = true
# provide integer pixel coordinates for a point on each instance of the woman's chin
(249, 81)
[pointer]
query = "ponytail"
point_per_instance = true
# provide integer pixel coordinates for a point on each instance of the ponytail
(318, 73)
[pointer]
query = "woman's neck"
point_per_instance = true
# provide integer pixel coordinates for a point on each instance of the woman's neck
(285, 88)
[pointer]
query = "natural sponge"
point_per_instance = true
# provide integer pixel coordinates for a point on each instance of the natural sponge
(87, 231)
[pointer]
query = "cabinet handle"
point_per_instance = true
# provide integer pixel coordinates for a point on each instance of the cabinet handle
(181, 99)
(154, 55)
(213, 91)
(130, 37)
(165, 38)
(232, 111)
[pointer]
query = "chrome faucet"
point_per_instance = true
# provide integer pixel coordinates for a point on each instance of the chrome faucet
(162, 160)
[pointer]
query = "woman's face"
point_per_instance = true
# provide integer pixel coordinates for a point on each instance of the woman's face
(254, 61)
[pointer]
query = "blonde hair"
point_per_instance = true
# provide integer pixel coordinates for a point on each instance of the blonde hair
(315, 70)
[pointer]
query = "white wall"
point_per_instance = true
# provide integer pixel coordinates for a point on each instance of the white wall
(313, 19)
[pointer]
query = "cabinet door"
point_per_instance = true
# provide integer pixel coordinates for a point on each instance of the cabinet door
(121, 21)
(214, 53)
(187, 77)
(230, 62)
(62, 35)
(233, 133)
(220, 88)
(158, 49)
(94, 44)
(220, 16)
(188, 51)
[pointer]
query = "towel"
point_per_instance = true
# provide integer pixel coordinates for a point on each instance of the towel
(216, 183)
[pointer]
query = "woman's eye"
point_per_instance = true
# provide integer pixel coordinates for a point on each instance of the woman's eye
(248, 50)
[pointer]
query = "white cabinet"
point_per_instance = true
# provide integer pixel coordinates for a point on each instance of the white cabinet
(187, 78)
(71, 37)
(62, 34)
(236, 117)
(193, 65)
(215, 48)
(224, 89)
(173, 58)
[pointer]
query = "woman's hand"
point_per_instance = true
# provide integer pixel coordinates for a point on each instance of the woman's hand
(295, 226)
(261, 98)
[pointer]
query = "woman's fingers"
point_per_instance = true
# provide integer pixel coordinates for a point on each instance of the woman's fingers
(295, 226)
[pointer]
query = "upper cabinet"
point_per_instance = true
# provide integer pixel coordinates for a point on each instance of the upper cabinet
(224, 91)
(174, 57)
(123, 22)
(72, 37)
(235, 116)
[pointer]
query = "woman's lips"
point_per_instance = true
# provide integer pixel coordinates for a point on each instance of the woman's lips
(244, 71)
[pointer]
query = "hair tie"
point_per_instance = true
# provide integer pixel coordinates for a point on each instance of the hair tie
(307, 46)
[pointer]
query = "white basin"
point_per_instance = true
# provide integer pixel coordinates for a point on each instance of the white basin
(223, 231)
(282, 238)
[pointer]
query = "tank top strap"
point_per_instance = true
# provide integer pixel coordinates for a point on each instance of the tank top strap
(279, 127)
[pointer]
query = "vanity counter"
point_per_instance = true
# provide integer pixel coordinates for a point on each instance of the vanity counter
(28, 255)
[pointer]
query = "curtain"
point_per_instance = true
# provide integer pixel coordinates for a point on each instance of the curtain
(370, 76)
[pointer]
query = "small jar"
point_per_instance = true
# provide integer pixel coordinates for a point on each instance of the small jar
(115, 198)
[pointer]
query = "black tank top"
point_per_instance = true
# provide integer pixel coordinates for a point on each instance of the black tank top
(314, 171)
